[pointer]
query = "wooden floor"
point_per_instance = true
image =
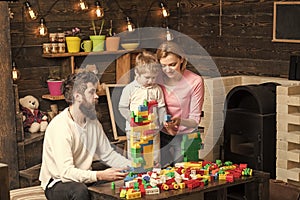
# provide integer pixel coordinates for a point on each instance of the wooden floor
(280, 190)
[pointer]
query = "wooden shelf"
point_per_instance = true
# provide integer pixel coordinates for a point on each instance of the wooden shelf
(122, 62)
(54, 98)
(30, 176)
(30, 172)
(34, 137)
(57, 55)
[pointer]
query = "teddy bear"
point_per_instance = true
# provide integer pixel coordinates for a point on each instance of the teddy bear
(34, 120)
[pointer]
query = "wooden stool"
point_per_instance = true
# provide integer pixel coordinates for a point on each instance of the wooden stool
(28, 193)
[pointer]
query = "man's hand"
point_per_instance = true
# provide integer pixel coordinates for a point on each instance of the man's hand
(111, 174)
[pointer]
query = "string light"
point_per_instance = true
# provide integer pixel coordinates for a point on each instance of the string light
(99, 10)
(169, 35)
(164, 11)
(42, 28)
(178, 15)
(10, 13)
(32, 13)
(83, 5)
(15, 72)
(130, 26)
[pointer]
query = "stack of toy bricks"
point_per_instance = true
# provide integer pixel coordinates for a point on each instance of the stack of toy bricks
(143, 128)
(190, 146)
(288, 134)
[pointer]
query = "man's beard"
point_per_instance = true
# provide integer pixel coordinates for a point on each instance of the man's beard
(88, 109)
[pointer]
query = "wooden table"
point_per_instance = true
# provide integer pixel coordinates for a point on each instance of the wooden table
(250, 188)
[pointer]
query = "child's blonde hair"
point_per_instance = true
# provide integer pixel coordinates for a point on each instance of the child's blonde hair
(146, 61)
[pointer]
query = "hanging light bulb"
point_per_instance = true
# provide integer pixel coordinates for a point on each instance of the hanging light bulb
(99, 10)
(10, 13)
(83, 5)
(130, 26)
(164, 11)
(15, 72)
(32, 14)
(169, 35)
(42, 28)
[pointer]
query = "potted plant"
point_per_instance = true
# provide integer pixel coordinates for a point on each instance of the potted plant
(98, 40)
(54, 82)
(73, 41)
(112, 41)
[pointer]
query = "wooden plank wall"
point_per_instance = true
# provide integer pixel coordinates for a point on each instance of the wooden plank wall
(239, 40)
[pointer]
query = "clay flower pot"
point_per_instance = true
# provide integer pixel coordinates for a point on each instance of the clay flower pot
(73, 44)
(98, 42)
(112, 43)
(54, 87)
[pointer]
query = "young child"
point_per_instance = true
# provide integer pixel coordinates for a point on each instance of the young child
(144, 87)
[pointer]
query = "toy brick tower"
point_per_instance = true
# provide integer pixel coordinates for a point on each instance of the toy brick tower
(190, 146)
(142, 129)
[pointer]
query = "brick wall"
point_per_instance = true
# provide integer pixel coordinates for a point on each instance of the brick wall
(288, 120)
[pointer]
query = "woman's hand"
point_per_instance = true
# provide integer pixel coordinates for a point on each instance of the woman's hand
(173, 125)
(111, 174)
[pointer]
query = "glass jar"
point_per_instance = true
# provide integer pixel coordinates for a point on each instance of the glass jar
(54, 48)
(46, 48)
(61, 37)
(53, 37)
(61, 47)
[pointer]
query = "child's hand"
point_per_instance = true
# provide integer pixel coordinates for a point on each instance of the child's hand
(172, 127)
(156, 164)
(176, 121)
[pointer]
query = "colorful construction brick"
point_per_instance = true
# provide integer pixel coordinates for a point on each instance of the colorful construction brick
(190, 146)
(142, 129)
(188, 175)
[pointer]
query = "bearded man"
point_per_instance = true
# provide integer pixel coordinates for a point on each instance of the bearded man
(73, 140)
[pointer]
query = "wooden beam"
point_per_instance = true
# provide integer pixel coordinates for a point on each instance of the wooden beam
(123, 69)
(8, 142)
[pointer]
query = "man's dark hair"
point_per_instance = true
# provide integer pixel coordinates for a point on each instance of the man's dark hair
(77, 83)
